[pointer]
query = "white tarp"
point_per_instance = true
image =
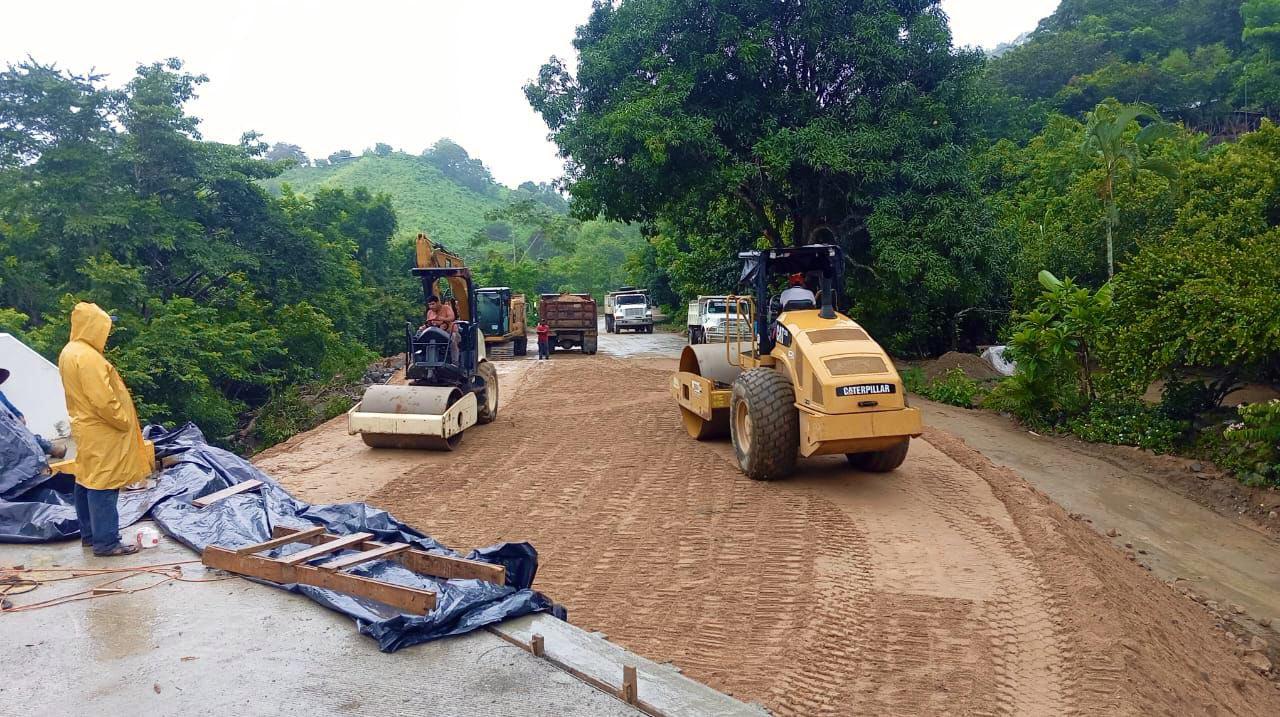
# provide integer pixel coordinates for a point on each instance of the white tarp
(995, 355)
(35, 387)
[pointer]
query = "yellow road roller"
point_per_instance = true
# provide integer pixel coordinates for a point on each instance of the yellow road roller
(804, 380)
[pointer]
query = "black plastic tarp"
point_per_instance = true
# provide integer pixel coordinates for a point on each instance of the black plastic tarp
(22, 463)
(45, 512)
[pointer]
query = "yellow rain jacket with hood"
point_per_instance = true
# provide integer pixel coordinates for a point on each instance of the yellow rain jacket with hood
(110, 451)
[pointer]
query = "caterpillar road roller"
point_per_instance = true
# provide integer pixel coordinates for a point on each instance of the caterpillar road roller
(803, 380)
(450, 383)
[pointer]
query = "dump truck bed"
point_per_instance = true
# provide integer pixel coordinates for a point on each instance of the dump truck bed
(572, 320)
(568, 311)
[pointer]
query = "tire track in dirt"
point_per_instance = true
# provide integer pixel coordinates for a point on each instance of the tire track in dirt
(628, 541)
(1031, 654)
(934, 590)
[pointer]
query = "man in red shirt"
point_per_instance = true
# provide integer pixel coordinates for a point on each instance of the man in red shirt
(544, 339)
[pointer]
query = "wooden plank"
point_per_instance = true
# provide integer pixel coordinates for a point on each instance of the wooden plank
(207, 500)
(449, 568)
(630, 686)
(329, 546)
(282, 540)
(407, 599)
(536, 646)
(420, 561)
(384, 551)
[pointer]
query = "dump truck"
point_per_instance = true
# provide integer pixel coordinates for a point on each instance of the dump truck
(572, 320)
(808, 381)
(452, 385)
(628, 308)
(501, 315)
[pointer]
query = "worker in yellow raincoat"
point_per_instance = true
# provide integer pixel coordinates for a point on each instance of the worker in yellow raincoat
(110, 451)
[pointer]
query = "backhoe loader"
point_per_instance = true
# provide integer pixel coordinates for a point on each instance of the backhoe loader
(451, 383)
(800, 380)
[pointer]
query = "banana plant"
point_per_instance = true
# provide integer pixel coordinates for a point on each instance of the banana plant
(1107, 137)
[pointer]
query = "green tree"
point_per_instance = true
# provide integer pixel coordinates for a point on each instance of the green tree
(1262, 24)
(1186, 58)
(291, 152)
(1107, 138)
(795, 122)
(1200, 299)
(226, 296)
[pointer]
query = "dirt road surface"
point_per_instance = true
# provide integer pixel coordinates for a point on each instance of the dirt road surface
(948, 587)
(1123, 489)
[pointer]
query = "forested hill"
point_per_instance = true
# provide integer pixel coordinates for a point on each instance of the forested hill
(522, 237)
(1212, 64)
(443, 191)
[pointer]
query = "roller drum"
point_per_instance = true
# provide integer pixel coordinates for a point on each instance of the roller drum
(412, 400)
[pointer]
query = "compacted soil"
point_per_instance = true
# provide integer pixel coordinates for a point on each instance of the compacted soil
(949, 586)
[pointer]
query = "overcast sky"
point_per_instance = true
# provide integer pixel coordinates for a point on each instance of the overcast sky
(331, 75)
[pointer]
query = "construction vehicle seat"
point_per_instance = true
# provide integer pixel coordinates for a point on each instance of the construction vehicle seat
(800, 305)
(432, 346)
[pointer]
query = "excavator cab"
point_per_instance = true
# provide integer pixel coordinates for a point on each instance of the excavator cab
(808, 381)
(500, 313)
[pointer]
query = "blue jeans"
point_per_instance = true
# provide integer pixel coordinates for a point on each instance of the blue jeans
(98, 516)
(544, 349)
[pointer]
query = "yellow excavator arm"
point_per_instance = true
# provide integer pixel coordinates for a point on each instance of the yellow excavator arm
(435, 256)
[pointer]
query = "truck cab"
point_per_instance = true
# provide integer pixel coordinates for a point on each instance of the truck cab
(709, 321)
(628, 308)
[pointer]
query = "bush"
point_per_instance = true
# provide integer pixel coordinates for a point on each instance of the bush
(1054, 345)
(1128, 422)
(1187, 399)
(956, 389)
(914, 381)
(1252, 447)
(953, 389)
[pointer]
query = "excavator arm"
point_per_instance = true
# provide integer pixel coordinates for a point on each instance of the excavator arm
(435, 256)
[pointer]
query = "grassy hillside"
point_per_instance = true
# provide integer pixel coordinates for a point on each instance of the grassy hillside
(423, 197)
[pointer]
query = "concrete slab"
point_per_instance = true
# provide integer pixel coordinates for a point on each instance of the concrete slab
(660, 687)
(235, 647)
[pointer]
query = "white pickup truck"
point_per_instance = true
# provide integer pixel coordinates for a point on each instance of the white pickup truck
(709, 321)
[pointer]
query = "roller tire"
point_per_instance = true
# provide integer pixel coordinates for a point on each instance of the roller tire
(880, 461)
(764, 424)
(487, 411)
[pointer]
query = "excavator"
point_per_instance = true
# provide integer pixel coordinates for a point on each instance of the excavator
(451, 385)
(501, 314)
(800, 380)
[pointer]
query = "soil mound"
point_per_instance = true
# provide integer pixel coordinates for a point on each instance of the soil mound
(973, 366)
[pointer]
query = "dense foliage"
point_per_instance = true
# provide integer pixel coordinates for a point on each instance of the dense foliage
(224, 295)
(523, 237)
(1210, 64)
(720, 124)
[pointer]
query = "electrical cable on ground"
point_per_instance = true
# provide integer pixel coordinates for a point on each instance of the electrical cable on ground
(21, 579)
